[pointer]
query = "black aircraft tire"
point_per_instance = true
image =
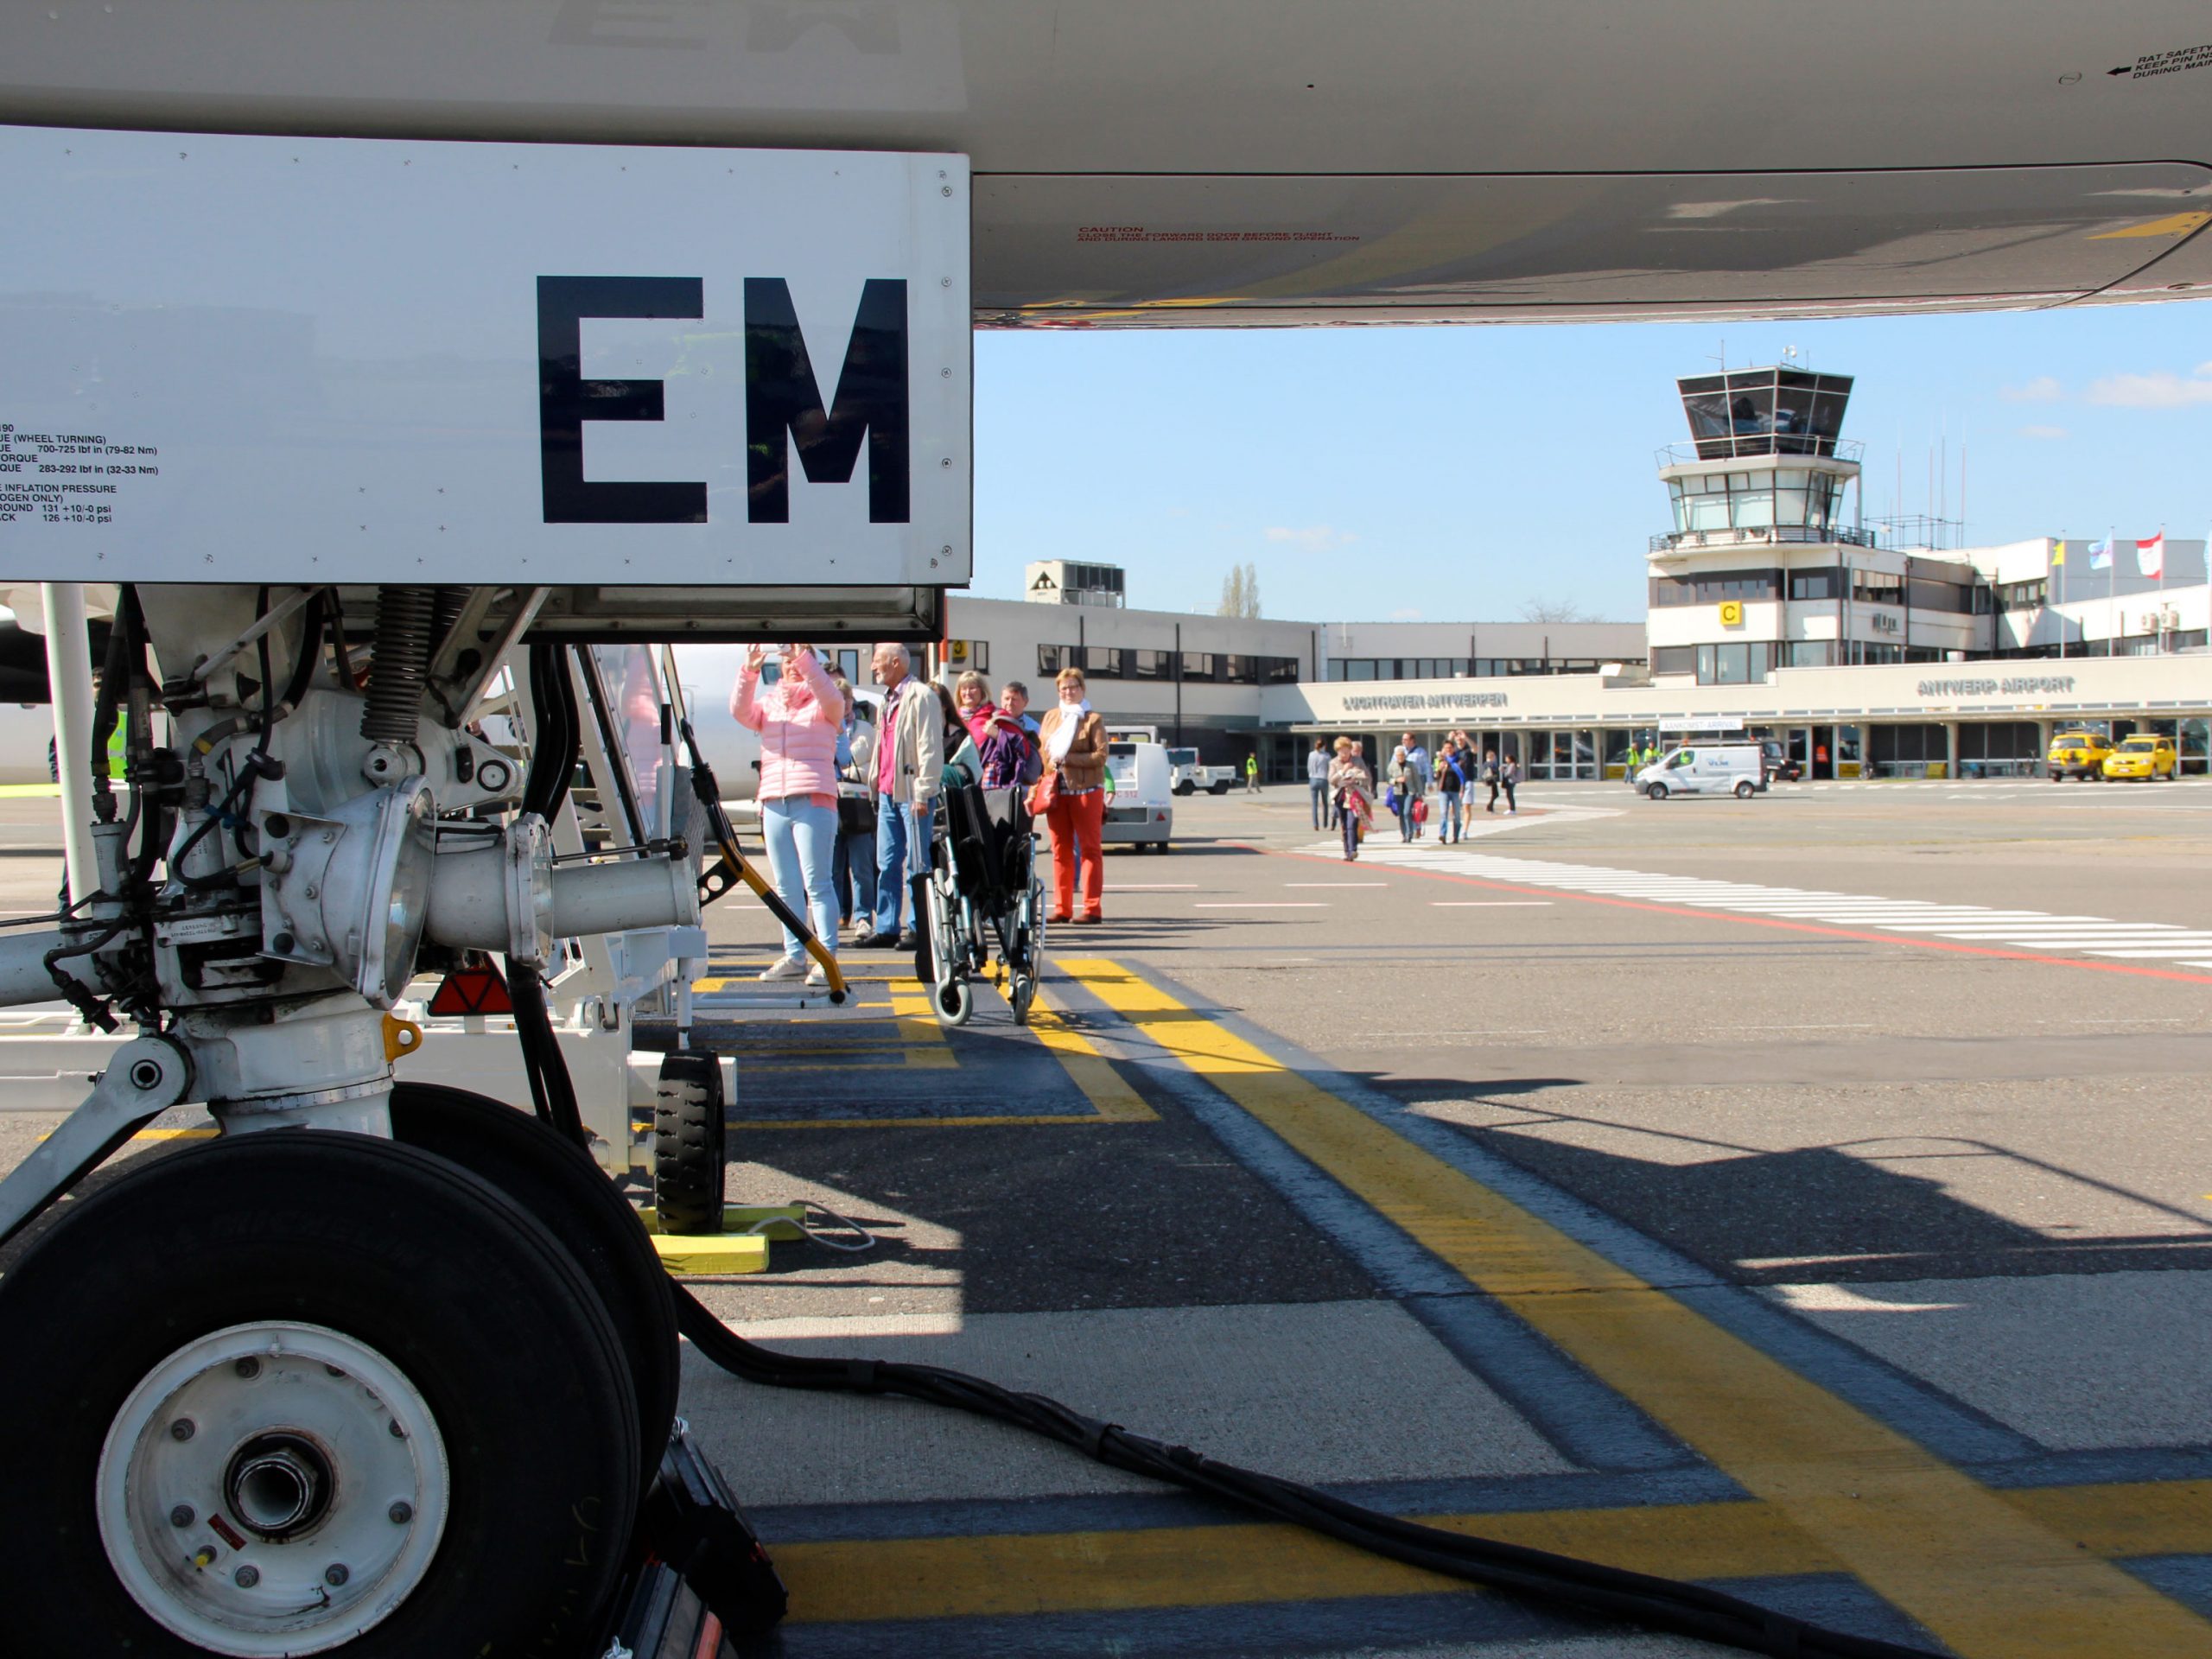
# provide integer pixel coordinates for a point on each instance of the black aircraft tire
(493, 1335)
(689, 1146)
(562, 1187)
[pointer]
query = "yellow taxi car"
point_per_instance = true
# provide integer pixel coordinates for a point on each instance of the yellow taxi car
(2076, 754)
(2146, 757)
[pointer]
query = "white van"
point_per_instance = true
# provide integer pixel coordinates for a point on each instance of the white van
(1141, 808)
(1736, 769)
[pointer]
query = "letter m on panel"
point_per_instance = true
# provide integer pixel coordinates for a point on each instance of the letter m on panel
(784, 405)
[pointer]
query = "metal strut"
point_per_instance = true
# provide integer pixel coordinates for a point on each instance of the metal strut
(406, 629)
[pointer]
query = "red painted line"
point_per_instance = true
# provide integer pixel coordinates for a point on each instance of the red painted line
(2129, 969)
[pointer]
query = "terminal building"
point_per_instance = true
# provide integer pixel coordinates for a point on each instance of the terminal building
(1776, 609)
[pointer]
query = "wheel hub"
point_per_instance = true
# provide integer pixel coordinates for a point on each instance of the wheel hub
(279, 1486)
(272, 1489)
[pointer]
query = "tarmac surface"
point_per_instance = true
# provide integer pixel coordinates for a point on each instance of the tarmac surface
(1810, 1196)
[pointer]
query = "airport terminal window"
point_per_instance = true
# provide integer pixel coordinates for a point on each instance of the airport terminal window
(1710, 587)
(1876, 587)
(2022, 595)
(1674, 659)
(1887, 745)
(1923, 593)
(1867, 650)
(1813, 584)
(1738, 662)
(1352, 668)
(1151, 665)
(1808, 653)
(1105, 662)
(1279, 670)
(1050, 659)
(1198, 664)
(1998, 739)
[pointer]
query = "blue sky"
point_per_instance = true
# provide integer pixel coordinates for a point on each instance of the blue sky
(1459, 473)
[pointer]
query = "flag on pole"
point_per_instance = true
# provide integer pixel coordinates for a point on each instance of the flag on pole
(2151, 556)
(2101, 555)
(2058, 553)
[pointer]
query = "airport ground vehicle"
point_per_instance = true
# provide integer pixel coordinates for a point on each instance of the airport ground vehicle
(1780, 766)
(1141, 806)
(1190, 775)
(1735, 769)
(983, 885)
(2079, 754)
(2145, 757)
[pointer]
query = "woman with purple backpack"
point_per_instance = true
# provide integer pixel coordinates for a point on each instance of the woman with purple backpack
(1009, 753)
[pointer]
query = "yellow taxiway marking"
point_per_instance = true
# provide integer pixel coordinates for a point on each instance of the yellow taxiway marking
(2173, 225)
(1112, 1100)
(1109, 1093)
(1982, 1572)
(976, 1577)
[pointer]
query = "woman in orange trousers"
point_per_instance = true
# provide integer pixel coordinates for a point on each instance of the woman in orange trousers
(1072, 740)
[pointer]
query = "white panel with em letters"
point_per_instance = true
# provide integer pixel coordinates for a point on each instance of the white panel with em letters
(227, 359)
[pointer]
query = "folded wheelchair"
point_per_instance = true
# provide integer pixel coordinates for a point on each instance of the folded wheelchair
(983, 884)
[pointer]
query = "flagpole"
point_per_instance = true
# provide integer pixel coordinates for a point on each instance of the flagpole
(2060, 618)
(2111, 588)
(2162, 631)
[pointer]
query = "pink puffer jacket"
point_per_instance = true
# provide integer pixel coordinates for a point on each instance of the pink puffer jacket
(798, 719)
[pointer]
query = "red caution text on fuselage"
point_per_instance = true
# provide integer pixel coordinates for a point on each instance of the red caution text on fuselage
(471, 990)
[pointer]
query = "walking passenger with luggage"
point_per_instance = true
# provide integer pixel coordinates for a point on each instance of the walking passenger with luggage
(1351, 787)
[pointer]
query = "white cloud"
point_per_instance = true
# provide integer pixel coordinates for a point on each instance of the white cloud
(2044, 389)
(1409, 614)
(2163, 390)
(2051, 433)
(1314, 538)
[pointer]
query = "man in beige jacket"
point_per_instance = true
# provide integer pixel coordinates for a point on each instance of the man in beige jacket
(909, 762)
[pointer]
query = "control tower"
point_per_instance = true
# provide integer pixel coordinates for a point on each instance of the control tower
(1787, 469)
(1770, 563)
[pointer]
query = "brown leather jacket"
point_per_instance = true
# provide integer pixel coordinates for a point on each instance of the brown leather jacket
(1085, 767)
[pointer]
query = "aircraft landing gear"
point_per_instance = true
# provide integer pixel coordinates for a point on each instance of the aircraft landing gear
(564, 1188)
(312, 1393)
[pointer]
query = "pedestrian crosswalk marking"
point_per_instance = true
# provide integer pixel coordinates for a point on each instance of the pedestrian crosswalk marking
(2042, 931)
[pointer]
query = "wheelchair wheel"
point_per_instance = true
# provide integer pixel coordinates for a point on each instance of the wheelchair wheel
(1021, 992)
(955, 1002)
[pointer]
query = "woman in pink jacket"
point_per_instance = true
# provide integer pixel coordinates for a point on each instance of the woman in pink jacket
(798, 719)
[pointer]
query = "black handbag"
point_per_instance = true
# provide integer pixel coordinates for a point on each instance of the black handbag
(855, 814)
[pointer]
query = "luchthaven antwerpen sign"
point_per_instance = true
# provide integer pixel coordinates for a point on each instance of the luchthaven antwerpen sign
(1414, 701)
(2022, 686)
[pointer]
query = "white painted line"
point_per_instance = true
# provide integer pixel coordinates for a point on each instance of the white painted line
(1489, 904)
(2022, 930)
(1336, 884)
(1264, 904)
(1152, 886)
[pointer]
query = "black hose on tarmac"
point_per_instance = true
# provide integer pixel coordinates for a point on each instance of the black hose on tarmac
(1579, 1586)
